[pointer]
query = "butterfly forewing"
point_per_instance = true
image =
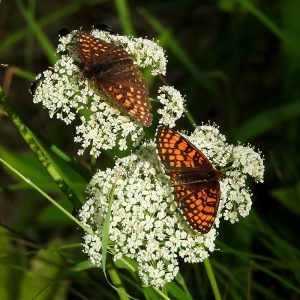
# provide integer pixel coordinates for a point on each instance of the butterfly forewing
(178, 153)
(117, 78)
(196, 182)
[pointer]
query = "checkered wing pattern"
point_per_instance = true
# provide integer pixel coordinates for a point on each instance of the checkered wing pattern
(196, 181)
(199, 203)
(116, 76)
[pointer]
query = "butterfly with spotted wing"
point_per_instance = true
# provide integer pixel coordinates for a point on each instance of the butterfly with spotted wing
(112, 68)
(196, 181)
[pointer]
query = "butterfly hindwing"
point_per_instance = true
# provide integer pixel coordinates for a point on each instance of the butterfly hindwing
(132, 98)
(199, 203)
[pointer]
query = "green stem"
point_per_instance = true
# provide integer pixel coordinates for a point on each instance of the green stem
(190, 118)
(45, 43)
(117, 281)
(124, 16)
(27, 180)
(181, 281)
(212, 279)
(162, 294)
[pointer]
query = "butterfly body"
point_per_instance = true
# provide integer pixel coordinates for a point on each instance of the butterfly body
(115, 75)
(104, 70)
(196, 181)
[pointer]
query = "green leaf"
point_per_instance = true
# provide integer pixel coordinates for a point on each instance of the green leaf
(31, 168)
(11, 266)
(82, 266)
(41, 279)
(69, 185)
(176, 292)
(227, 5)
(127, 264)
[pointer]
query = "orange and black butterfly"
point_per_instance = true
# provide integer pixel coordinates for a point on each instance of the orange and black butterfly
(112, 68)
(196, 181)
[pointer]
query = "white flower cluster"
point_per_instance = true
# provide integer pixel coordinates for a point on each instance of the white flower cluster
(145, 223)
(68, 95)
(173, 105)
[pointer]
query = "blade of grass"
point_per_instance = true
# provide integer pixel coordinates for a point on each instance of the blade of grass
(277, 277)
(212, 279)
(28, 181)
(176, 292)
(162, 294)
(63, 182)
(25, 74)
(266, 120)
(117, 283)
(286, 196)
(9, 74)
(265, 290)
(124, 17)
(270, 25)
(178, 51)
(179, 278)
(105, 231)
(29, 49)
(45, 44)
(31, 168)
(60, 13)
(273, 240)
(104, 241)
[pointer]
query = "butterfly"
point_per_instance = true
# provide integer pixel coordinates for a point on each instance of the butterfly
(114, 73)
(196, 181)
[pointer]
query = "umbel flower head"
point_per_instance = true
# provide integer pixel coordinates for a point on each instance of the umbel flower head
(69, 95)
(145, 223)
